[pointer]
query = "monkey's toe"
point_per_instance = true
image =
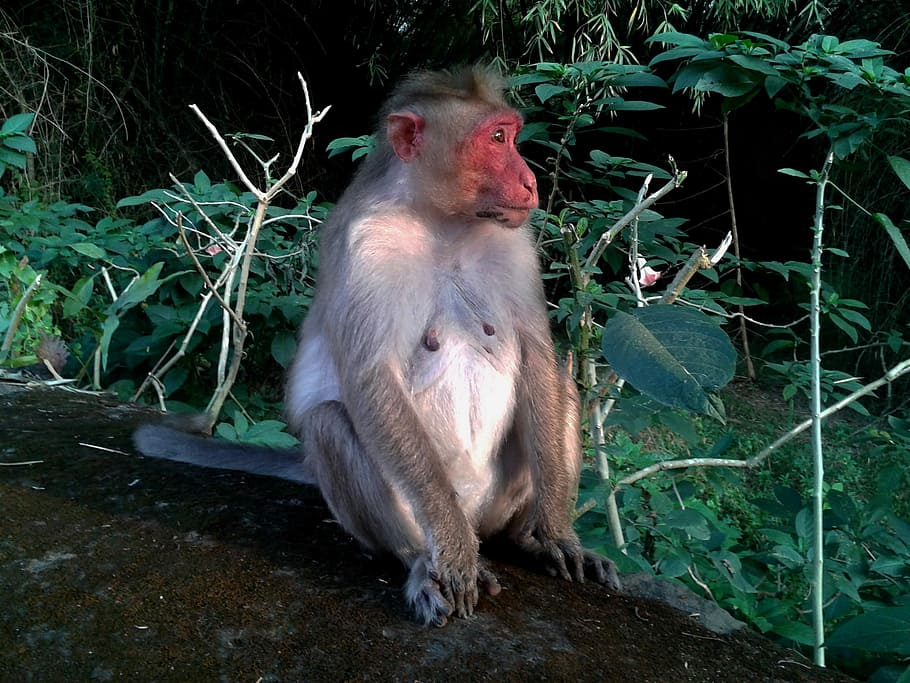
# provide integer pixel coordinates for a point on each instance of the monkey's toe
(487, 581)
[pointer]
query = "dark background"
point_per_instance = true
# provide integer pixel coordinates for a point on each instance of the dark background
(122, 130)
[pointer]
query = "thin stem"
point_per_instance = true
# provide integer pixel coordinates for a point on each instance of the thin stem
(17, 317)
(890, 376)
(633, 213)
(818, 617)
(744, 333)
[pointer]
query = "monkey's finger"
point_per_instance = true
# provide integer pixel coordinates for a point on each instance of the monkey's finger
(596, 566)
(465, 602)
(577, 557)
(488, 581)
(612, 580)
(558, 561)
(603, 570)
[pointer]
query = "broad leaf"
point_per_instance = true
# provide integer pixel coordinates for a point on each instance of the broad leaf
(902, 167)
(111, 323)
(674, 355)
(545, 91)
(88, 249)
(896, 236)
(17, 123)
(79, 297)
(21, 143)
(284, 345)
(881, 630)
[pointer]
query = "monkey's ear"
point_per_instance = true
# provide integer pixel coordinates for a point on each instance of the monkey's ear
(405, 131)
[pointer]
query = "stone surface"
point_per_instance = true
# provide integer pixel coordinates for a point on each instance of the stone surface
(113, 566)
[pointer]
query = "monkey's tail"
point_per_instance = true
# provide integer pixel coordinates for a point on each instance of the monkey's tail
(158, 441)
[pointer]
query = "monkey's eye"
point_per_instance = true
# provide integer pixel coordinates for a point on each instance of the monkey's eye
(499, 135)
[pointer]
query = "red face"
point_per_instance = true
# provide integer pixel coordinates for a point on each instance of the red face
(493, 179)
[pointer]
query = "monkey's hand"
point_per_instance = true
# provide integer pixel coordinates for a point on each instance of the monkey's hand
(444, 585)
(562, 555)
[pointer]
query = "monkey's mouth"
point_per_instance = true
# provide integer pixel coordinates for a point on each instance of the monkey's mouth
(510, 216)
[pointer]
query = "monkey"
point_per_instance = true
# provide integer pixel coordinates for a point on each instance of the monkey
(426, 393)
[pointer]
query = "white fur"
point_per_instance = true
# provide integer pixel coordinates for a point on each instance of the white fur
(312, 378)
(454, 281)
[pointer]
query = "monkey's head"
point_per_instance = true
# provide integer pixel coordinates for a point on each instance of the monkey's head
(459, 140)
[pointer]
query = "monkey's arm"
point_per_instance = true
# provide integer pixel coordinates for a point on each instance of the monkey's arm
(159, 441)
(394, 437)
(550, 406)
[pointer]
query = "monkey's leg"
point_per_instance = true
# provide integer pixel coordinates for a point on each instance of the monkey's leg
(548, 443)
(370, 508)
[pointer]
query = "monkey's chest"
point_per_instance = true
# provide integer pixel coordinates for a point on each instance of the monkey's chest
(462, 377)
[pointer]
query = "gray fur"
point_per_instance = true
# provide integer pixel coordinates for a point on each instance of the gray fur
(159, 441)
(430, 407)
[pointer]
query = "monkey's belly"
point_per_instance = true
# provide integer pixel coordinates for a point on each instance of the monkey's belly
(465, 395)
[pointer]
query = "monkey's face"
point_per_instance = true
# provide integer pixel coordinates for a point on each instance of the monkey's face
(494, 181)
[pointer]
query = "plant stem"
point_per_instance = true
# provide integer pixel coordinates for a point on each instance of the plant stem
(595, 422)
(750, 368)
(890, 376)
(818, 561)
(17, 317)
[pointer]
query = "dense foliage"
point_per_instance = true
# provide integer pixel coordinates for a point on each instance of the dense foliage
(679, 485)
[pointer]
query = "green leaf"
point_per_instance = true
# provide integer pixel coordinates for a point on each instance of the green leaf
(226, 431)
(855, 317)
(545, 91)
(804, 528)
(21, 143)
(765, 38)
(881, 630)
(861, 48)
(673, 567)
(619, 104)
(773, 85)
(269, 433)
(79, 297)
(140, 289)
(674, 355)
(776, 345)
(689, 521)
(796, 631)
(793, 172)
(848, 329)
(12, 158)
(284, 346)
(899, 242)
(111, 323)
(682, 39)
(17, 123)
(754, 64)
(88, 249)
(829, 43)
(729, 566)
(638, 80)
(902, 167)
(847, 81)
(724, 79)
(160, 196)
(361, 145)
(241, 424)
(202, 183)
(678, 53)
(788, 556)
(252, 136)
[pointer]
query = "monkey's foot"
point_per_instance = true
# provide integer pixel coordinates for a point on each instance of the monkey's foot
(434, 599)
(565, 557)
